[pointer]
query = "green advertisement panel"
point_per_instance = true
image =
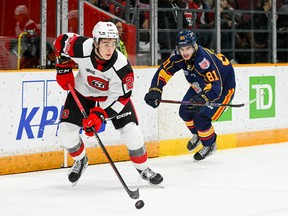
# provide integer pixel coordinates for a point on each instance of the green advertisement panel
(262, 88)
(226, 115)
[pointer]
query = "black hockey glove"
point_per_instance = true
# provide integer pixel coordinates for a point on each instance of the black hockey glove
(153, 97)
(199, 98)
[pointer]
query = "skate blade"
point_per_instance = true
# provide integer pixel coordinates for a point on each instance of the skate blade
(73, 184)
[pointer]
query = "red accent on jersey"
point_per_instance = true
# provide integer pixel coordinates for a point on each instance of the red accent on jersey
(98, 83)
(161, 79)
(123, 100)
(128, 80)
(140, 159)
(78, 152)
(69, 47)
(100, 64)
(65, 114)
(57, 45)
(97, 99)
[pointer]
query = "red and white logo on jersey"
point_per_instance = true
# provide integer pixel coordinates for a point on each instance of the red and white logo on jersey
(65, 114)
(128, 82)
(98, 83)
(204, 64)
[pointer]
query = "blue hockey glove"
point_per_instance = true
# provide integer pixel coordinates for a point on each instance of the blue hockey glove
(153, 97)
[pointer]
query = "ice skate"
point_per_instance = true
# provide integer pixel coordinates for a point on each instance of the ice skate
(193, 143)
(205, 151)
(77, 169)
(150, 176)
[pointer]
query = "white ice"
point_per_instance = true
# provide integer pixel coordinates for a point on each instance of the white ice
(250, 181)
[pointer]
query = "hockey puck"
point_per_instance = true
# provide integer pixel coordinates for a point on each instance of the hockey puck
(139, 204)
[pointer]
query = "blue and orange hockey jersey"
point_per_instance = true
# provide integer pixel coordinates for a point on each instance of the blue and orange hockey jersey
(207, 71)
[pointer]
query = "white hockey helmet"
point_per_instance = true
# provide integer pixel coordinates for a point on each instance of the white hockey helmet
(104, 30)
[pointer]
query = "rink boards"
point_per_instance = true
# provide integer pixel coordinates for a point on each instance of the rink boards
(31, 103)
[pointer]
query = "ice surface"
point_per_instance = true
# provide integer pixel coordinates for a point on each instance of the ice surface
(251, 181)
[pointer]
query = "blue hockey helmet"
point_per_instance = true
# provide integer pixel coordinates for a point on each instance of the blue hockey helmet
(186, 38)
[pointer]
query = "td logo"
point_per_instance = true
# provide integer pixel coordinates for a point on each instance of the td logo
(264, 107)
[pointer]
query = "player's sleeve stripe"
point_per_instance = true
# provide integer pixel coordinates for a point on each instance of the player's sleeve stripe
(117, 106)
(164, 75)
(80, 45)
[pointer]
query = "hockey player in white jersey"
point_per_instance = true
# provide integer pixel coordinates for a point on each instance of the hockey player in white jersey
(104, 86)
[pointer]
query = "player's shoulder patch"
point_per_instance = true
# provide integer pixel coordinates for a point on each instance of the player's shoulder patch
(204, 64)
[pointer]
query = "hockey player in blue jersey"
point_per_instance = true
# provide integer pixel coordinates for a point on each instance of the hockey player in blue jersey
(212, 79)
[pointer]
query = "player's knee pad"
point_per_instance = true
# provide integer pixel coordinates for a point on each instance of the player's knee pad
(132, 136)
(68, 134)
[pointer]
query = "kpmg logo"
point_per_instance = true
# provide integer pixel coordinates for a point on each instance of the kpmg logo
(41, 108)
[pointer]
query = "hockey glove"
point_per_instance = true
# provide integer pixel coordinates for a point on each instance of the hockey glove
(199, 98)
(95, 119)
(153, 97)
(64, 73)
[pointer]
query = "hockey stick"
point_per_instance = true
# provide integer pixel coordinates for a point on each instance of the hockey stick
(132, 194)
(211, 103)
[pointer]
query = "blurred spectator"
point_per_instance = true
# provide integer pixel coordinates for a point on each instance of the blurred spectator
(229, 20)
(167, 21)
(227, 17)
(103, 4)
(283, 17)
(143, 19)
(204, 20)
(24, 23)
(188, 14)
(261, 21)
(29, 49)
(73, 21)
(110, 7)
(117, 10)
(121, 45)
(282, 36)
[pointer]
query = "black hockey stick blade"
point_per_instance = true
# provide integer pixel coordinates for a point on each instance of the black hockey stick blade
(201, 104)
(212, 104)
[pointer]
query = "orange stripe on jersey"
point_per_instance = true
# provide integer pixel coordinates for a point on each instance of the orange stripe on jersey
(166, 63)
(204, 135)
(189, 123)
(226, 100)
(163, 74)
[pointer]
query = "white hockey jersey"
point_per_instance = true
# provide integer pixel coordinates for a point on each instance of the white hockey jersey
(108, 82)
